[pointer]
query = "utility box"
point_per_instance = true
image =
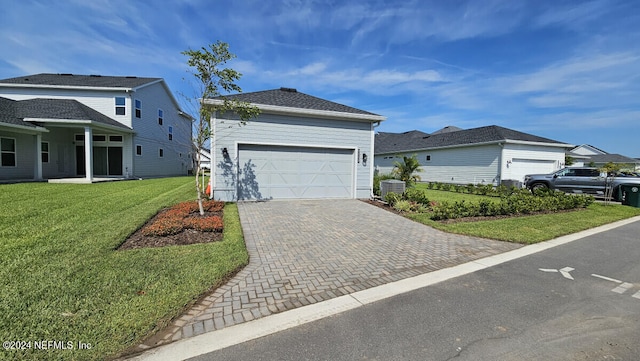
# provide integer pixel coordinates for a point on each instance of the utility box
(511, 183)
(630, 194)
(391, 185)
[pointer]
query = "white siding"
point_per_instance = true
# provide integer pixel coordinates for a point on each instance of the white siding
(472, 164)
(25, 156)
(289, 131)
(152, 136)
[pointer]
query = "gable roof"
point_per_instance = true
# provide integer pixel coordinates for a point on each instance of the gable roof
(589, 148)
(32, 112)
(481, 135)
(289, 100)
(73, 80)
(447, 129)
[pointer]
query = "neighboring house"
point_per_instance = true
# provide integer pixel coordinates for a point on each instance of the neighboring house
(205, 158)
(299, 147)
(86, 126)
(485, 155)
(588, 155)
(587, 150)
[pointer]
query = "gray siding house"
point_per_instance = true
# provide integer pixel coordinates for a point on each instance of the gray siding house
(299, 147)
(85, 126)
(485, 155)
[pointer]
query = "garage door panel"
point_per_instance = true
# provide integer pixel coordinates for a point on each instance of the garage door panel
(281, 172)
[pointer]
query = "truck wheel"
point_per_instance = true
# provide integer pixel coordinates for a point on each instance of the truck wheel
(536, 186)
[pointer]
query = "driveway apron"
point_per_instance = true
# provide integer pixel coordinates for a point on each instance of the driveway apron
(307, 251)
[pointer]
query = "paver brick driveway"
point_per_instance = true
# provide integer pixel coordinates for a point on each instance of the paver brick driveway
(303, 252)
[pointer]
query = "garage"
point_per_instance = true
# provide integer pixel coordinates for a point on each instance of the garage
(288, 172)
(521, 167)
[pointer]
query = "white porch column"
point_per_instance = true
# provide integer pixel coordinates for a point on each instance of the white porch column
(37, 170)
(88, 153)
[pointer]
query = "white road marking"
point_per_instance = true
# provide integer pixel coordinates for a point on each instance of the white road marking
(565, 272)
(548, 270)
(636, 295)
(606, 278)
(622, 288)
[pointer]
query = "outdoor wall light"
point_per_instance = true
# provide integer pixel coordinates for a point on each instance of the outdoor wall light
(364, 158)
(225, 152)
(508, 163)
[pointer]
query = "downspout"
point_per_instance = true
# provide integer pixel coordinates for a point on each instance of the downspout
(500, 163)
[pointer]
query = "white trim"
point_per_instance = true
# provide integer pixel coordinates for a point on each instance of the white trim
(24, 128)
(299, 145)
(274, 109)
(82, 122)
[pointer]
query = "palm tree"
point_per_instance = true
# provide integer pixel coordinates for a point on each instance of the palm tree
(405, 170)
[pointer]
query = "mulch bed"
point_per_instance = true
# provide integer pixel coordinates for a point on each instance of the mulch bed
(187, 236)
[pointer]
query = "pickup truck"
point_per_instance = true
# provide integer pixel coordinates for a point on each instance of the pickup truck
(580, 180)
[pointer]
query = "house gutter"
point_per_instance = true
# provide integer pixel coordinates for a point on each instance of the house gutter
(501, 142)
(276, 109)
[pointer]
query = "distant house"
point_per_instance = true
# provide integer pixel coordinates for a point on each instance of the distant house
(588, 155)
(485, 155)
(300, 146)
(87, 126)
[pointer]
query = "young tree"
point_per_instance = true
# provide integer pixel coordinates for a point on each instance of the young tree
(405, 170)
(213, 80)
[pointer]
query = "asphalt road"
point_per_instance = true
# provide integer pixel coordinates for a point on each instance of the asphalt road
(579, 301)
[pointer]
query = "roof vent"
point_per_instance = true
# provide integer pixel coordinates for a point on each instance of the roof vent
(131, 77)
(290, 90)
(66, 74)
(95, 75)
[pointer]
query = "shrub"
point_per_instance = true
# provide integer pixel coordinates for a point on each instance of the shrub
(416, 195)
(402, 205)
(392, 198)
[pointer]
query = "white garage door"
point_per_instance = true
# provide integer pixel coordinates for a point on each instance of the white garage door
(521, 167)
(279, 172)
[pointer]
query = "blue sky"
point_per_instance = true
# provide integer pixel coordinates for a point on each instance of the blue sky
(566, 70)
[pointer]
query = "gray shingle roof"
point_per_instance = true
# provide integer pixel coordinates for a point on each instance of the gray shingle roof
(384, 143)
(8, 113)
(14, 112)
(613, 158)
(80, 80)
(447, 129)
(287, 97)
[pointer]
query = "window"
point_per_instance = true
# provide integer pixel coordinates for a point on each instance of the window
(428, 158)
(8, 152)
(79, 137)
(170, 133)
(161, 152)
(138, 149)
(99, 138)
(44, 148)
(160, 116)
(115, 138)
(120, 106)
(138, 104)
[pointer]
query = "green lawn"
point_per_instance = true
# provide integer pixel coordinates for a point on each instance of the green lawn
(62, 280)
(525, 229)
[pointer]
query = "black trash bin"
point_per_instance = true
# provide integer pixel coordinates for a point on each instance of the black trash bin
(630, 194)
